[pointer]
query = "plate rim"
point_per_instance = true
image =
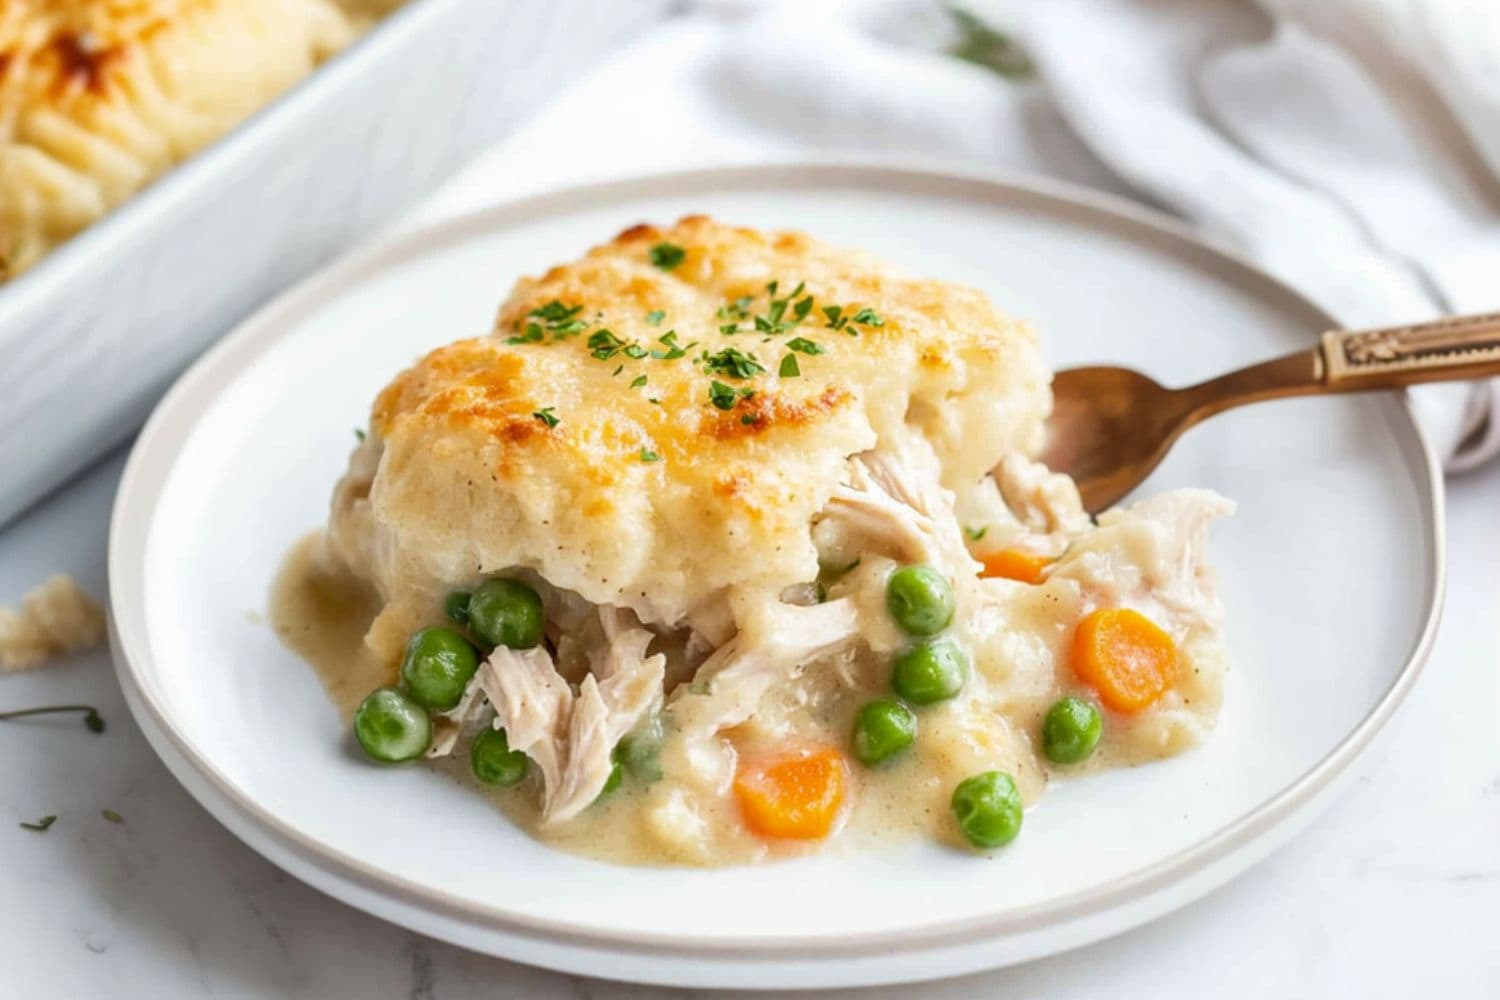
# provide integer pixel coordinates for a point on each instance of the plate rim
(135, 501)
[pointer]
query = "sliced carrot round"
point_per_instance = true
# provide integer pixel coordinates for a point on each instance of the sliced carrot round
(796, 797)
(1125, 657)
(1015, 564)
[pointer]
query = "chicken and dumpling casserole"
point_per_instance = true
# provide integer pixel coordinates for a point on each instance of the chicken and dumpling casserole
(724, 543)
(100, 97)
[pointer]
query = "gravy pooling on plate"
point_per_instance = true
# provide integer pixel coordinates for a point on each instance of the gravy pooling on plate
(724, 544)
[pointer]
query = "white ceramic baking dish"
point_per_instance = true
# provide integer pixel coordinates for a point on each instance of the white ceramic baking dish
(91, 335)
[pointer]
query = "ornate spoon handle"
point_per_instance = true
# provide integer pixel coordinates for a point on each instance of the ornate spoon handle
(1456, 347)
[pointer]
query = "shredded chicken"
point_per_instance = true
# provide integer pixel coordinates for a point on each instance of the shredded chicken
(1152, 553)
(773, 641)
(568, 736)
(56, 618)
(1046, 502)
(895, 505)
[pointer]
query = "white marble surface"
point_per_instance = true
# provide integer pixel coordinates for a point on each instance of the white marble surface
(1395, 890)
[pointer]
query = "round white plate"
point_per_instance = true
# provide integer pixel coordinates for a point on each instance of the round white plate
(1331, 574)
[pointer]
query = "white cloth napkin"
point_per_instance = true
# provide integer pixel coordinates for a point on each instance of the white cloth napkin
(1351, 147)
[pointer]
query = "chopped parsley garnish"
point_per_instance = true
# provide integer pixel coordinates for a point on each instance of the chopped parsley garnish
(802, 308)
(749, 419)
(560, 320)
(532, 335)
(546, 416)
(733, 363)
(112, 816)
(359, 435)
(40, 825)
(673, 350)
(729, 328)
(721, 395)
(738, 309)
(604, 344)
(655, 316)
(618, 370)
(634, 351)
(555, 312)
(804, 346)
(667, 255)
(789, 367)
(647, 455)
(640, 380)
(839, 320)
(977, 533)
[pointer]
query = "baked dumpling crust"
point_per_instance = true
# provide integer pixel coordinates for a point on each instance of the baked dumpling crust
(100, 97)
(574, 440)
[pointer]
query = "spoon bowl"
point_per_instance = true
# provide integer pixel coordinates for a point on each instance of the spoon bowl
(1111, 426)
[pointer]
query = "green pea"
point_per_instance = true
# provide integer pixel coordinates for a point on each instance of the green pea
(391, 727)
(920, 599)
(930, 671)
(640, 751)
(1071, 730)
(456, 607)
(494, 762)
(882, 729)
(506, 613)
(438, 666)
(988, 809)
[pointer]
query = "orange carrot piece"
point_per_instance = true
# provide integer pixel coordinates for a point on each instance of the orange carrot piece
(796, 797)
(1125, 657)
(1015, 564)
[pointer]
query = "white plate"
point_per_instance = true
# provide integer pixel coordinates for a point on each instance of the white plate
(1331, 574)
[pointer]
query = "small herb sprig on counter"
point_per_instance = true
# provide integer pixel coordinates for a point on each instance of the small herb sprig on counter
(92, 720)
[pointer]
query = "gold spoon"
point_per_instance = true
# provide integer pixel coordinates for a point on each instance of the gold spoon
(1111, 426)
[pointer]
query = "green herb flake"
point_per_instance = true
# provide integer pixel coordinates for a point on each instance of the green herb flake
(804, 346)
(738, 309)
(41, 825)
(867, 317)
(546, 416)
(532, 335)
(977, 533)
(732, 362)
(667, 255)
(359, 435)
(555, 312)
(835, 316)
(112, 816)
(603, 344)
(789, 367)
(635, 351)
(749, 419)
(618, 369)
(982, 45)
(640, 380)
(647, 455)
(729, 328)
(655, 316)
(721, 395)
(802, 308)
